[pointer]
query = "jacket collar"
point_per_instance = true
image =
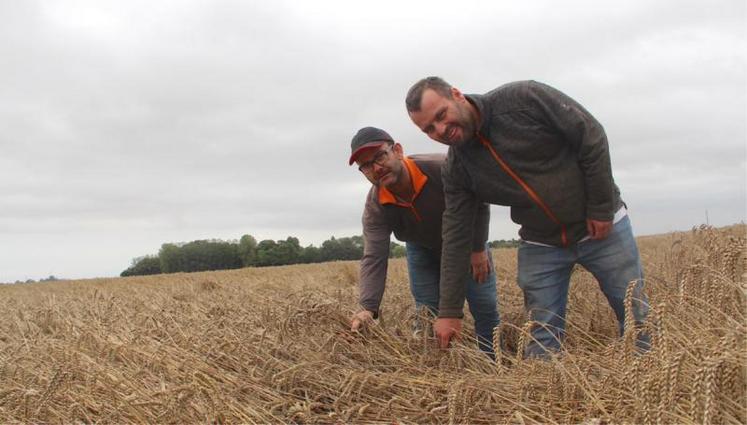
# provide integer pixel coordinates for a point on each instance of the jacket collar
(417, 177)
(484, 109)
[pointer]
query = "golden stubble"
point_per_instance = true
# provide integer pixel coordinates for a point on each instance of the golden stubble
(273, 345)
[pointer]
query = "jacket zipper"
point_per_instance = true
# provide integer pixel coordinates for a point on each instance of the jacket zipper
(532, 194)
(410, 206)
(415, 212)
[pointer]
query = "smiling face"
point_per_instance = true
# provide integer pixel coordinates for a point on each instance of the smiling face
(448, 120)
(382, 166)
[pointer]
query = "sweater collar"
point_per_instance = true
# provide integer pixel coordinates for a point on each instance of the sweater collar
(484, 109)
(417, 177)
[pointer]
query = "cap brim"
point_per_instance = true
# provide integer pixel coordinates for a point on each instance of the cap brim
(367, 146)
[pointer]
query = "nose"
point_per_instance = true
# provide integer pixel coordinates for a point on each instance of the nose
(441, 129)
(376, 167)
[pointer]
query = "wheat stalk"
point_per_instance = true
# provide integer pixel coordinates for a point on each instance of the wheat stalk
(273, 345)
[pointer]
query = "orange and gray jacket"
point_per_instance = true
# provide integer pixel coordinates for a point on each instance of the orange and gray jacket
(537, 151)
(418, 222)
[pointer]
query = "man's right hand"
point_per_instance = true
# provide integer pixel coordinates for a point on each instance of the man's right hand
(446, 328)
(361, 319)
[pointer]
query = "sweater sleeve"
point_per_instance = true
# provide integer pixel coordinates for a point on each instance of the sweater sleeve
(482, 228)
(586, 136)
(375, 259)
(457, 233)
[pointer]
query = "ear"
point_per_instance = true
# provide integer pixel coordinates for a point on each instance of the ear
(397, 149)
(456, 94)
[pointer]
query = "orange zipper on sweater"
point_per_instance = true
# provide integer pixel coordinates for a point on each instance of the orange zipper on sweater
(532, 194)
(415, 212)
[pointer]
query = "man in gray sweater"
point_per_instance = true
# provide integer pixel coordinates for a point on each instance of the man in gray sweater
(528, 146)
(407, 199)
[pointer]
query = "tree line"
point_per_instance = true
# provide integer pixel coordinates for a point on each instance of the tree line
(216, 254)
(504, 243)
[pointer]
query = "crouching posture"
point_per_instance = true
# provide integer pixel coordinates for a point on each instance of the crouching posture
(407, 199)
(528, 146)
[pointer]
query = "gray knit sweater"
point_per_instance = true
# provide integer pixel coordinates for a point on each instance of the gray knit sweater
(554, 145)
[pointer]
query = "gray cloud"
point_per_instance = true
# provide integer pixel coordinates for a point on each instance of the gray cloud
(130, 124)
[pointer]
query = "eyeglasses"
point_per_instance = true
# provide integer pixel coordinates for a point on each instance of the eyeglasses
(379, 159)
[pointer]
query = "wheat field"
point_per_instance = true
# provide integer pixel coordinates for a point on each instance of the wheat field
(273, 345)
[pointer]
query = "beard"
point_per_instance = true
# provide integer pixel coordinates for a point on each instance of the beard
(462, 130)
(383, 178)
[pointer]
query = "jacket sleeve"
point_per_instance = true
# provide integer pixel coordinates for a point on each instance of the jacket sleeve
(457, 233)
(586, 136)
(482, 228)
(375, 259)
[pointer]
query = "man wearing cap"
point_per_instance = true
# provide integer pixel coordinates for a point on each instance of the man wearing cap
(528, 146)
(407, 199)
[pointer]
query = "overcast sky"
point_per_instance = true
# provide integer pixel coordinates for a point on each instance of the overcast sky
(127, 124)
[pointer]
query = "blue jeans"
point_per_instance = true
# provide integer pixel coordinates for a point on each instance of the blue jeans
(545, 272)
(424, 268)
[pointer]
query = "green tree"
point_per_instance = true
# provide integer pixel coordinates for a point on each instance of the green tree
(146, 265)
(503, 243)
(288, 251)
(209, 255)
(310, 254)
(351, 248)
(199, 256)
(348, 248)
(267, 253)
(248, 250)
(171, 259)
(330, 250)
(396, 250)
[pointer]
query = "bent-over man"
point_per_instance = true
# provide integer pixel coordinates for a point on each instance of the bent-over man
(407, 199)
(528, 146)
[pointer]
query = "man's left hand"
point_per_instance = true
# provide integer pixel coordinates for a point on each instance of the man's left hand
(480, 265)
(598, 229)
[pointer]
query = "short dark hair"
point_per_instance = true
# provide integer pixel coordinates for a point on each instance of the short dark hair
(415, 94)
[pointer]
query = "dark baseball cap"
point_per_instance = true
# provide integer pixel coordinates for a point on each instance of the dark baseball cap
(367, 138)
